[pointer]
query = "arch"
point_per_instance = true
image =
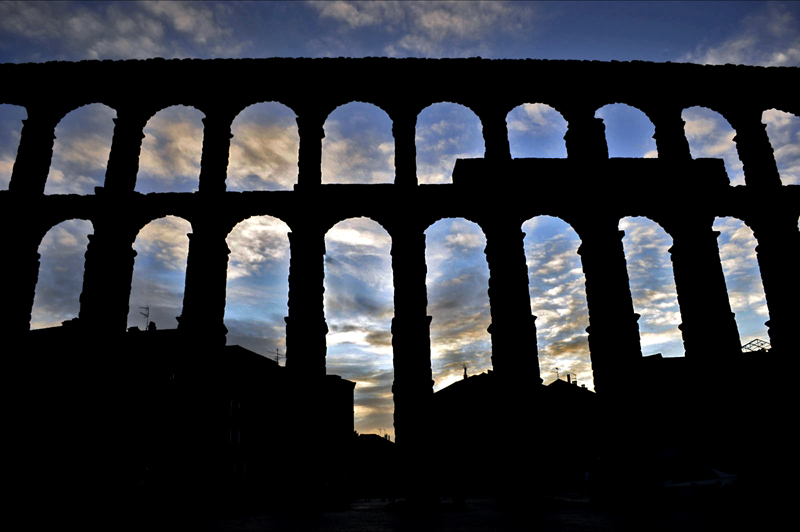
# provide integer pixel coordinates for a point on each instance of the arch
(159, 271)
(359, 306)
(558, 299)
(783, 130)
(445, 132)
(536, 130)
(652, 282)
(458, 300)
(61, 268)
(711, 135)
(80, 150)
(257, 292)
(358, 146)
(737, 251)
(264, 148)
(11, 117)
(629, 132)
(171, 151)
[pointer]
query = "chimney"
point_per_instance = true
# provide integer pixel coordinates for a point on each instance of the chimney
(569, 379)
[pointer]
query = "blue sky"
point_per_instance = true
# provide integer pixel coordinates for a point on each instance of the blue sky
(359, 147)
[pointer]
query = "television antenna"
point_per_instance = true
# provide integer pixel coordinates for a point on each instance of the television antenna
(557, 375)
(146, 315)
(277, 354)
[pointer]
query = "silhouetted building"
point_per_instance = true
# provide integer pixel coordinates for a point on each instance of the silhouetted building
(187, 421)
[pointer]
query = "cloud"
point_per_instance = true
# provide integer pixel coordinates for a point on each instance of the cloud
(171, 150)
(652, 284)
(263, 157)
(358, 146)
(6, 168)
(446, 132)
(710, 135)
(784, 135)
(61, 267)
(768, 37)
(257, 243)
(165, 243)
(127, 30)
(431, 29)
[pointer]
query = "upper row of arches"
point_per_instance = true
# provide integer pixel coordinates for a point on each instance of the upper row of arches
(358, 144)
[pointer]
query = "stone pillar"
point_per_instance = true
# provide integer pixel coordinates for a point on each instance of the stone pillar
(495, 133)
(20, 267)
(515, 358)
(305, 326)
(613, 328)
(514, 350)
(586, 135)
(203, 311)
(126, 145)
(670, 135)
(309, 157)
(35, 152)
(778, 242)
(707, 324)
(616, 356)
(107, 277)
(755, 150)
(404, 127)
(413, 383)
(216, 151)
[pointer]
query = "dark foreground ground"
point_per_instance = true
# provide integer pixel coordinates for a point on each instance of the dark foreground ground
(562, 513)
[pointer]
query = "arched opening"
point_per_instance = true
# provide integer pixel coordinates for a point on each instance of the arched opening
(710, 135)
(159, 272)
(458, 300)
(257, 292)
(783, 130)
(171, 151)
(80, 151)
(61, 267)
(652, 282)
(358, 146)
(446, 132)
(737, 251)
(629, 133)
(536, 130)
(558, 299)
(359, 306)
(11, 117)
(263, 148)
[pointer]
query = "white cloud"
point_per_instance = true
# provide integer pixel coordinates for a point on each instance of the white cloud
(256, 243)
(768, 37)
(172, 146)
(166, 240)
(125, 30)
(432, 28)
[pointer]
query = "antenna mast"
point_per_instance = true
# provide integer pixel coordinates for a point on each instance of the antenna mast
(146, 315)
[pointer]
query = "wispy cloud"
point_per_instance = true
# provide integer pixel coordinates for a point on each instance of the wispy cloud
(784, 135)
(652, 283)
(767, 37)
(60, 273)
(80, 151)
(446, 132)
(710, 135)
(122, 30)
(171, 151)
(432, 29)
(358, 146)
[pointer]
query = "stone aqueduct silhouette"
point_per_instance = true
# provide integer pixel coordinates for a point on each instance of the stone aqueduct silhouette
(588, 190)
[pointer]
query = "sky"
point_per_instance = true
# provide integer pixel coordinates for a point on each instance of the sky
(359, 148)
